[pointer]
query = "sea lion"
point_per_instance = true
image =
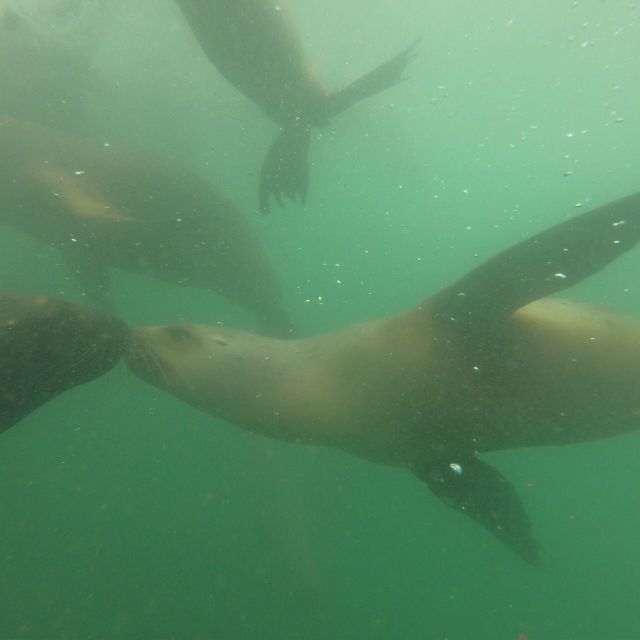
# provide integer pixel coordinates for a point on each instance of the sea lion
(254, 45)
(488, 363)
(104, 206)
(48, 346)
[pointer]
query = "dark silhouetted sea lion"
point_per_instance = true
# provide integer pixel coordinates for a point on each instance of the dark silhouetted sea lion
(48, 346)
(254, 45)
(103, 206)
(488, 363)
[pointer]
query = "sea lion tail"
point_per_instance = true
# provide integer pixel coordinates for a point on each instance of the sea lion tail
(383, 77)
(285, 170)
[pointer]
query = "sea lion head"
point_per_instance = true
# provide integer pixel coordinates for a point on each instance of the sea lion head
(163, 352)
(201, 363)
(48, 346)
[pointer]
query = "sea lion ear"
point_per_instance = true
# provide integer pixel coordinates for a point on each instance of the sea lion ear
(540, 266)
(475, 488)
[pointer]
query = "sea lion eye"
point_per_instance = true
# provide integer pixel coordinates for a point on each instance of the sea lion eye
(178, 332)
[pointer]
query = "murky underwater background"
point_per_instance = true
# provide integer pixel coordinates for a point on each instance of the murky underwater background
(127, 514)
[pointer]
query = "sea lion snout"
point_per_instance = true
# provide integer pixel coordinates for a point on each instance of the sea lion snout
(139, 354)
(146, 346)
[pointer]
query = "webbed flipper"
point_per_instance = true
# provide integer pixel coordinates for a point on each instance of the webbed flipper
(475, 488)
(383, 77)
(538, 267)
(285, 170)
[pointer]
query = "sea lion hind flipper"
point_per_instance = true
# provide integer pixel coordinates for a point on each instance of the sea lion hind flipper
(383, 77)
(475, 488)
(285, 170)
(539, 266)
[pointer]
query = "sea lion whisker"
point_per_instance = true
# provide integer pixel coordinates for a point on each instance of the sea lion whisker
(148, 361)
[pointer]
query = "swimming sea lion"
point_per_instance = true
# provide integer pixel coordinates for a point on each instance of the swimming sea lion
(488, 363)
(104, 206)
(254, 45)
(48, 346)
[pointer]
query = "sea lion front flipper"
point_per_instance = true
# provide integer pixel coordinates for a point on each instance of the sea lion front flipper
(538, 267)
(285, 170)
(383, 77)
(475, 488)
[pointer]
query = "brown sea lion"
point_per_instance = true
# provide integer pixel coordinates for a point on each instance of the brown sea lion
(488, 363)
(48, 346)
(254, 45)
(104, 206)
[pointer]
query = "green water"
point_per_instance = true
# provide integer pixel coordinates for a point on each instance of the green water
(125, 514)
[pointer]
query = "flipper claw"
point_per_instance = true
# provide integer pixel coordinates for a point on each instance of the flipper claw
(285, 170)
